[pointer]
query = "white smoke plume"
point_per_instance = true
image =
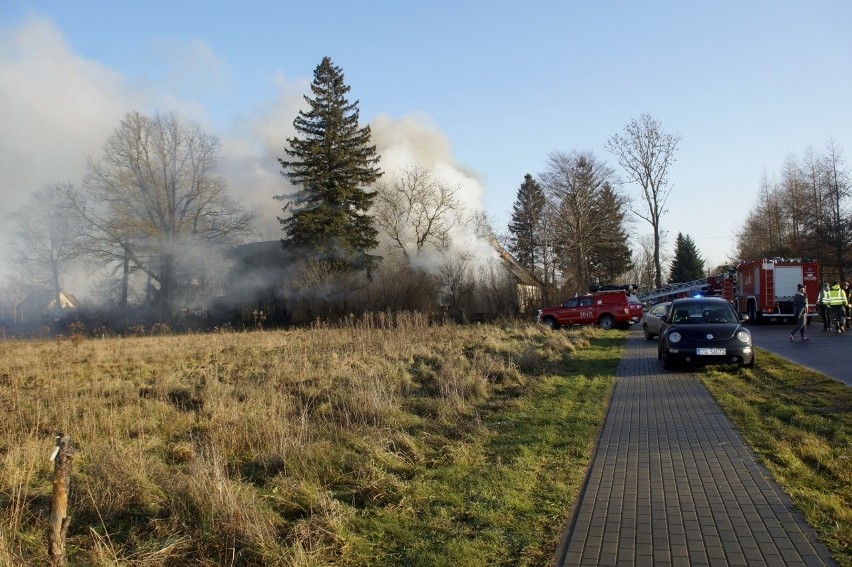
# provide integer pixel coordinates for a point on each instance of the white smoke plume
(57, 109)
(252, 147)
(414, 139)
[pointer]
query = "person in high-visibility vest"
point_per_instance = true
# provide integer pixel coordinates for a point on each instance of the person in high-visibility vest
(837, 302)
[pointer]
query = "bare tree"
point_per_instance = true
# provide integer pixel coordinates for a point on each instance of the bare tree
(812, 172)
(109, 240)
(643, 263)
(497, 289)
(839, 220)
(794, 194)
(549, 270)
(44, 242)
(569, 182)
(457, 283)
(319, 294)
(763, 233)
(646, 153)
(806, 214)
(575, 184)
(12, 293)
(417, 211)
(159, 196)
(397, 286)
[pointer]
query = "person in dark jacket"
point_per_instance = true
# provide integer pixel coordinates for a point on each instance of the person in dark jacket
(800, 310)
(824, 308)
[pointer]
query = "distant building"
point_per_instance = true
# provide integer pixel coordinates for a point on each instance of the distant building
(41, 303)
(527, 285)
(506, 289)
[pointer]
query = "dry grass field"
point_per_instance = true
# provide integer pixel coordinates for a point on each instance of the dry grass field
(386, 440)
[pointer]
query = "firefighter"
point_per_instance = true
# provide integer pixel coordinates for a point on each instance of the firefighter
(822, 305)
(838, 302)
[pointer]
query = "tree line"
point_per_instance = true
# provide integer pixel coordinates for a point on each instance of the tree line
(153, 217)
(803, 212)
(570, 225)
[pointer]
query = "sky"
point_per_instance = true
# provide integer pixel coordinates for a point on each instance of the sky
(480, 92)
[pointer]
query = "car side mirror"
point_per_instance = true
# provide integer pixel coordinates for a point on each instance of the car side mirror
(744, 318)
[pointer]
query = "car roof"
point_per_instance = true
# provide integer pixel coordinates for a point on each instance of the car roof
(708, 300)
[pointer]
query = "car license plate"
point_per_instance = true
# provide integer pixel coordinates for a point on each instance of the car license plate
(710, 351)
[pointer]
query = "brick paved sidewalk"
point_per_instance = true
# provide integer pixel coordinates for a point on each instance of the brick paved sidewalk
(672, 483)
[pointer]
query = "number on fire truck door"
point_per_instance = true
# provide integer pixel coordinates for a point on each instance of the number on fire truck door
(587, 314)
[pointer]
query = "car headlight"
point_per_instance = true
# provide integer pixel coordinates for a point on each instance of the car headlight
(744, 336)
(674, 337)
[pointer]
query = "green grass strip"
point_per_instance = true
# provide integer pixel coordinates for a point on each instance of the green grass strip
(504, 494)
(799, 422)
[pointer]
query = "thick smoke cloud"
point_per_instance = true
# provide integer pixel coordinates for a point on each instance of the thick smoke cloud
(414, 139)
(55, 107)
(58, 108)
(252, 146)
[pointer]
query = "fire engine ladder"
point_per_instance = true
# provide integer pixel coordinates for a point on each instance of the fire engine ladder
(769, 290)
(686, 287)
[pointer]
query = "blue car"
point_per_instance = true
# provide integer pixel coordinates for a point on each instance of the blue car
(704, 330)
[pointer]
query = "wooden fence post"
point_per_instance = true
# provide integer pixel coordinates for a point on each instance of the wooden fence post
(59, 520)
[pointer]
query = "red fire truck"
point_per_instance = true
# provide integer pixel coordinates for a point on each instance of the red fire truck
(762, 289)
(765, 288)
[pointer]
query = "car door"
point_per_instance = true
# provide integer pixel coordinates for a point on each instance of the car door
(585, 311)
(653, 318)
(568, 312)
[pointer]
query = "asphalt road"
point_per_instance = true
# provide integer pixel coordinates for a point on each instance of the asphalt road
(828, 353)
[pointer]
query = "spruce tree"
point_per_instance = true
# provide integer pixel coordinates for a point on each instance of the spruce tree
(610, 255)
(525, 238)
(687, 264)
(332, 163)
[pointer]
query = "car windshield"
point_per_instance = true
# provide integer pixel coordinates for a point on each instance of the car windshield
(688, 313)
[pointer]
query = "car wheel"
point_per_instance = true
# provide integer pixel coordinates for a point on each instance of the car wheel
(648, 336)
(607, 322)
(551, 323)
(750, 363)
